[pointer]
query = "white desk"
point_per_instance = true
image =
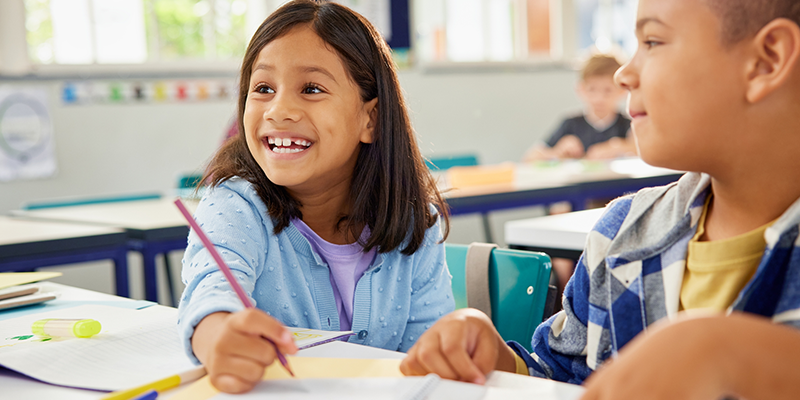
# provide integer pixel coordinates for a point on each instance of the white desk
(560, 235)
(18, 386)
(153, 227)
(29, 244)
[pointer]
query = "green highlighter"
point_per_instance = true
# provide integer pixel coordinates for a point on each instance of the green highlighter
(80, 328)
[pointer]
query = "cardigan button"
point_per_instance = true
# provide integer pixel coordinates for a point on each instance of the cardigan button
(362, 335)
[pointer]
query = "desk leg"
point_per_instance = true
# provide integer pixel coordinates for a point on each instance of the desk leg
(150, 274)
(578, 204)
(121, 273)
(487, 227)
(171, 288)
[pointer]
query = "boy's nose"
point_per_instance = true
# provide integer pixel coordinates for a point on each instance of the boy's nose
(626, 78)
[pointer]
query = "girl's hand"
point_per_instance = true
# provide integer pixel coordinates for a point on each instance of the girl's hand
(233, 348)
(463, 345)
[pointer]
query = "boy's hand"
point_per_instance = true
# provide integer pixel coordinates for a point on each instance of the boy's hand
(463, 345)
(233, 348)
(674, 362)
(569, 147)
(739, 356)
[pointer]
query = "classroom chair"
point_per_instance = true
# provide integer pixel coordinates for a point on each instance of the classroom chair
(187, 186)
(447, 162)
(510, 286)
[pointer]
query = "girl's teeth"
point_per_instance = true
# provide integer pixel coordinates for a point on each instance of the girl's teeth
(286, 142)
(284, 150)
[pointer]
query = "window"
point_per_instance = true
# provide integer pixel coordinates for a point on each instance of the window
(457, 31)
(482, 30)
(135, 31)
(607, 24)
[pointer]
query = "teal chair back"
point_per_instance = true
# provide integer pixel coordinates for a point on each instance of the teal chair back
(188, 186)
(518, 289)
(443, 163)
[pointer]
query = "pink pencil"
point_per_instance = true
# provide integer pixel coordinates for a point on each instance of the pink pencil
(227, 272)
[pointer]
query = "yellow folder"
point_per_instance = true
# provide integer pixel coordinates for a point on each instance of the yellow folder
(307, 367)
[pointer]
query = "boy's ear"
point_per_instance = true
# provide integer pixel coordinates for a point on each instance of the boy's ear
(777, 49)
(368, 133)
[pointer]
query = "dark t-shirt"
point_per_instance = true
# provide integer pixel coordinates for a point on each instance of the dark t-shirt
(589, 136)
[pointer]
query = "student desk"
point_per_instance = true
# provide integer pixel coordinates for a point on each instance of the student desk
(560, 235)
(153, 227)
(19, 386)
(29, 244)
(545, 183)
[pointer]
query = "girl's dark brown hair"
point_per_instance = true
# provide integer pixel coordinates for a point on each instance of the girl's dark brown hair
(392, 189)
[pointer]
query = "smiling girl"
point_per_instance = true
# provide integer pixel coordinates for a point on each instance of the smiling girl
(322, 206)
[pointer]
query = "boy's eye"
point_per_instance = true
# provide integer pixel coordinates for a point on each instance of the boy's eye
(264, 89)
(651, 43)
(312, 89)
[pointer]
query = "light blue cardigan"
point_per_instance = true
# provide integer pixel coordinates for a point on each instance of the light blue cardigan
(395, 301)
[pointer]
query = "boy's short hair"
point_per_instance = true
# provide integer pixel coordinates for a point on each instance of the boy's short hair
(743, 18)
(600, 65)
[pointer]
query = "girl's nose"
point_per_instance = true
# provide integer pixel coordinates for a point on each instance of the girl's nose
(283, 107)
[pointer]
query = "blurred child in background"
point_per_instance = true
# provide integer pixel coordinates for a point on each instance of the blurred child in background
(601, 131)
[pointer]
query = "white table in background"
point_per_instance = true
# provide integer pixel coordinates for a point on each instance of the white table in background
(27, 244)
(560, 235)
(154, 227)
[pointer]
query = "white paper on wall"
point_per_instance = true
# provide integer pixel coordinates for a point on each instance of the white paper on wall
(27, 149)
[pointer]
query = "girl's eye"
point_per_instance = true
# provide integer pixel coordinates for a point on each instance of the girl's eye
(312, 89)
(264, 89)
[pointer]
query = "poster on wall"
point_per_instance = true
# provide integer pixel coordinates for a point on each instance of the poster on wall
(27, 150)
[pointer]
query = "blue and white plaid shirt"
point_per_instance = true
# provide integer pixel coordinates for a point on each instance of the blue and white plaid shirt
(631, 272)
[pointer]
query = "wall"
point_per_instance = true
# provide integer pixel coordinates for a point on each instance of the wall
(124, 149)
(106, 149)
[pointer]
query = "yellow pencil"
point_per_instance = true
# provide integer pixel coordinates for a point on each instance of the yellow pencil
(159, 385)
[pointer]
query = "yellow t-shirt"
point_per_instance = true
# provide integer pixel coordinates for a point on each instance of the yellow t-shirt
(718, 270)
(522, 368)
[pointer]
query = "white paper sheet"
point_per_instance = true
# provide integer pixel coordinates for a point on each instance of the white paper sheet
(430, 387)
(305, 338)
(134, 347)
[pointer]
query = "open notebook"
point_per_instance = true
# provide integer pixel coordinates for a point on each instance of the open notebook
(354, 379)
(429, 387)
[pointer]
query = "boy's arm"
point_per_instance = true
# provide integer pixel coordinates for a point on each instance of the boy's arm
(613, 148)
(560, 344)
(741, 356)
(570, 345)
(545, 150)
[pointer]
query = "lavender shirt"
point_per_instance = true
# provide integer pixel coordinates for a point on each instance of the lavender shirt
(347, 263)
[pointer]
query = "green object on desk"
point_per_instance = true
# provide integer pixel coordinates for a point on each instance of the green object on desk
(518, 289)
(80, 328)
